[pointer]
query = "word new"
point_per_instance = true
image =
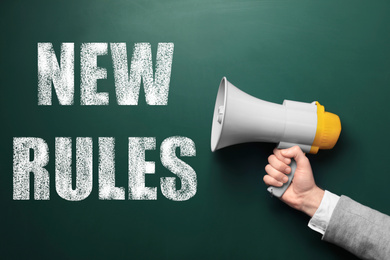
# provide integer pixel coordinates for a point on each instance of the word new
(127, 83)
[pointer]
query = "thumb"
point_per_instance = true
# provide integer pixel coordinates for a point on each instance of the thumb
(296, 153)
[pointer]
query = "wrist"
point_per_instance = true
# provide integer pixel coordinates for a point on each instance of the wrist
(312, 201)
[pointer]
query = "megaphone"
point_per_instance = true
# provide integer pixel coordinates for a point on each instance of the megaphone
(241, 118)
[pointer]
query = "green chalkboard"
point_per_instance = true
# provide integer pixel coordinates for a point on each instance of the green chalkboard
(336, 52)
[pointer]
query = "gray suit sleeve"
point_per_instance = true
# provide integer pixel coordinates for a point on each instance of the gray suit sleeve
(361, 230)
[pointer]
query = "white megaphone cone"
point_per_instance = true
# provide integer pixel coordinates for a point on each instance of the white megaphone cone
(241, 118)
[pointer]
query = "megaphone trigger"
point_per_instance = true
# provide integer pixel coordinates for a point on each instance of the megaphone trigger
(279, 191)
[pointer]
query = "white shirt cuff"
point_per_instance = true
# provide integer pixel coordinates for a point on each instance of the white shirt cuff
(320, 220)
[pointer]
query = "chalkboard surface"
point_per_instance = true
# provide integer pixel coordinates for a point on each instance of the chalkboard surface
(336, 52)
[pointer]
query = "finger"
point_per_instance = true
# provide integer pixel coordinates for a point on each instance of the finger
(278, 164)
(296, 153)
(279, 155)
(271, 181)
(277, 175)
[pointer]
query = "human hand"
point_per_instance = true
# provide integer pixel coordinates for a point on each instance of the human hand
(303, 194)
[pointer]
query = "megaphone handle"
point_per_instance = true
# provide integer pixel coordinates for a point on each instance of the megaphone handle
(279, 191)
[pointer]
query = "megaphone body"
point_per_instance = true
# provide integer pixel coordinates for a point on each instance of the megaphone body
(240, 118)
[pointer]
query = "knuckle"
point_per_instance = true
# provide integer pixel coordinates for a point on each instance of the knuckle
(277, 164)
(296, 148)
(279, 176)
